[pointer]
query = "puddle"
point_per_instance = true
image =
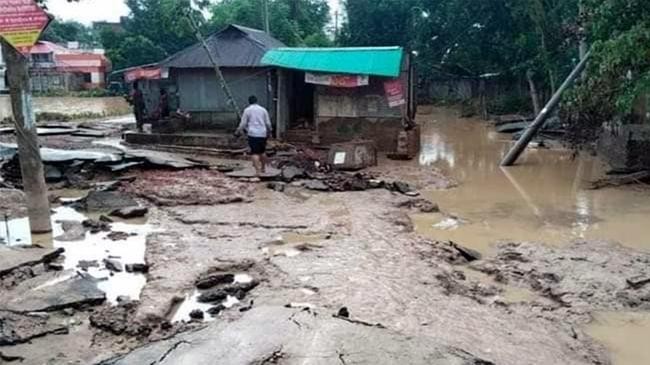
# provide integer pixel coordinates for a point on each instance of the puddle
(543, 198)
(292, 244)
(93, 247)
(191, 303)
(625, 335)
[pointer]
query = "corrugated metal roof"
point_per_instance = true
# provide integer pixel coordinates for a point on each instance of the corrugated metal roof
(235, 46)
(378, 61)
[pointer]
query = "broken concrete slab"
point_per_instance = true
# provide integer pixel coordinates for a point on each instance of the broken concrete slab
(113, 265)
(12, 258)
(72, 231)
(161, 159)
(52, 155)
(249, 172)
(91, 133)
(137, 268)
(289, 173)
(212, 280)
(106, 201)
(297, 335)
(316, 185)
(130, 212)
(16, 328)
(53, 291)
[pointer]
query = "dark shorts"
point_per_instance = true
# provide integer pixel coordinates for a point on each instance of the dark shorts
(257, 145)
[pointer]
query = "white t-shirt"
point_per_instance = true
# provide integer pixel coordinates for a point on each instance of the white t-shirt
(255, 121)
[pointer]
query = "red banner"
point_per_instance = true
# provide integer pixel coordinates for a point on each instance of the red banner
(142, 73)
(21, 23)
(394, 93)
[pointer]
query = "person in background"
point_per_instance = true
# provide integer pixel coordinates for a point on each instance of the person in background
(257, 124)
(163, 104)
(137, 100)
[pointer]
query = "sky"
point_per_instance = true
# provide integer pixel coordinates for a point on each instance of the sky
(88, 11)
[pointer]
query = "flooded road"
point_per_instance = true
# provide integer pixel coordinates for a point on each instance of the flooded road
(91, 249)
(625, 335)
(542, 199)
(71, 105)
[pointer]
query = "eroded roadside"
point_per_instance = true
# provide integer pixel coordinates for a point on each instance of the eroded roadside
(252, 273)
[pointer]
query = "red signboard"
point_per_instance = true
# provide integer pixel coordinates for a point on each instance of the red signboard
(21, 23)
(142, 73)
(394, 93)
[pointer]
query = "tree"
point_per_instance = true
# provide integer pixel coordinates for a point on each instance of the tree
(294, 22)
(60, 31)
(619, 71)
(153, 30)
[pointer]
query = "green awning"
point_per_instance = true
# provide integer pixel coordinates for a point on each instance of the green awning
(378, 61)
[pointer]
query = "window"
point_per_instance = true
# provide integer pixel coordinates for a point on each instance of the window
(42, 57)
(88, 78)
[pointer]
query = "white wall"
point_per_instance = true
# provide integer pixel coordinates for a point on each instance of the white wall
(96, 77)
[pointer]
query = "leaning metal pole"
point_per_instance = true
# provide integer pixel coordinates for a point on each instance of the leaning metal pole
(530, 132)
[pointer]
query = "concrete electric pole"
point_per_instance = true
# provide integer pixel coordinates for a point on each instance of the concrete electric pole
(31, 166)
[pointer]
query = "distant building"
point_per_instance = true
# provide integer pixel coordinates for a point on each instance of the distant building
(54, 67)
(117, 27)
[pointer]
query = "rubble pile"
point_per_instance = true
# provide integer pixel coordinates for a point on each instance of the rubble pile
(188, 187)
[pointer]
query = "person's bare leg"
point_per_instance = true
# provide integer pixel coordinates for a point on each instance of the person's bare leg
(263, 162)
(256, 164)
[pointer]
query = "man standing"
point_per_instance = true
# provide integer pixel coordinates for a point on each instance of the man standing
(137, 100)
(257, 124)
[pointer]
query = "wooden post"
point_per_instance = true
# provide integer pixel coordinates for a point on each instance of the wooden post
(528, 135)
(31, 165)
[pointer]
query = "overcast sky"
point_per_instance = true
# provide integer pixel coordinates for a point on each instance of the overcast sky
(87, 11)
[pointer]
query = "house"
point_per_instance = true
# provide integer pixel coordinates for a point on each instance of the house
(332, 95)
(190, 79)
(55, 67)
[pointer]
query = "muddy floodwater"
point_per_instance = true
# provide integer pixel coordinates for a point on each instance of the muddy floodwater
(625, 335)
(542, 199)
(71, 105)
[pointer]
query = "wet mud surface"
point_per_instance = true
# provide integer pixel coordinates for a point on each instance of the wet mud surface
(301, 276)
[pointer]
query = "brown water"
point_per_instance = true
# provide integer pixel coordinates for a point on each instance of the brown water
(71, 105)
(543, 198)
(626, 336)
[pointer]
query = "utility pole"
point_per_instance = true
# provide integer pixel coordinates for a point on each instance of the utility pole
(583, 47)
(217, 70)
(267, 26)
(336, 27)
(31, 165)
(538, 123)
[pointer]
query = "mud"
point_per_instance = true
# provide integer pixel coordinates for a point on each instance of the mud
(410, 298)
(192, 187)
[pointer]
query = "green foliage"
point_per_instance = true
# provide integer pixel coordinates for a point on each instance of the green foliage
(69, 31)
(294, 22)
(126, 50)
